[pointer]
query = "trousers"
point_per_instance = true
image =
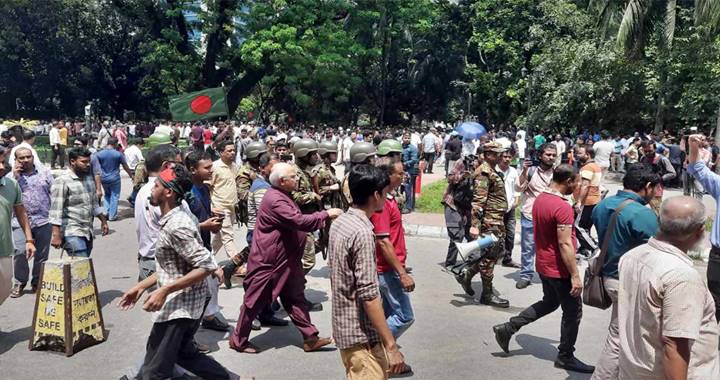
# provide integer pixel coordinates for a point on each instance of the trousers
(486, 265)
(172, 343)
(556, 293)
(111, 198)
(365, 362)
(509, 242)
(5, 278)
(527, 249)
(607, 367)
(396, 303)
(21, 267)
(225, 238)
(308, 258)
(713, 277)
(458, 230)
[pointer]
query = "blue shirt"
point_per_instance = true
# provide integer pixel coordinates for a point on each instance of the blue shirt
(110, 161)
(410, 159)
(200, 207)
(636, 224)
(711, 183)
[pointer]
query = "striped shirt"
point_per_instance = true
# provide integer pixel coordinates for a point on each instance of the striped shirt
(179, 250)
(353, 278)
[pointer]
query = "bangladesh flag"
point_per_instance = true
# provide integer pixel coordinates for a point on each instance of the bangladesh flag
(199, 105)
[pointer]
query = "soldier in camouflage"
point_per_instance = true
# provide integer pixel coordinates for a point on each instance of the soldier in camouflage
(488, 209)
(361, 152)
(306, 160)
(327, 185)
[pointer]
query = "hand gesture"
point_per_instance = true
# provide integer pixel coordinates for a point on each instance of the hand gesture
(155, 300)
(334, 213)
(407, 282)
(577, 286)
(129, 299)
(695, 141)
(526, 164)
(17, 169)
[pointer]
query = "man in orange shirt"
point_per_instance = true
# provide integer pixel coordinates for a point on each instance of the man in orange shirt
(587, 195)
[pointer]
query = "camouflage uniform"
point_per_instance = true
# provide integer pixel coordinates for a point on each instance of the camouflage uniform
(488, 210)
(332, 199)
(140, 176)
(244, 179)
(304, 196)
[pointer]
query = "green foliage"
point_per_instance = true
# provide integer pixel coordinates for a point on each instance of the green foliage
(547, 65)
(430, 198)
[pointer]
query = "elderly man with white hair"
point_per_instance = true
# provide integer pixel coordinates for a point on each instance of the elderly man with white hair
(274, 268)
(666, 314)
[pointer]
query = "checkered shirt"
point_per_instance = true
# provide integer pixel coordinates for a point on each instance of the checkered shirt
(353, 278)
(73, 204)
(178, 251)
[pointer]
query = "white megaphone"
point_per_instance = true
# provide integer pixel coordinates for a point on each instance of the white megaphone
(471, 246)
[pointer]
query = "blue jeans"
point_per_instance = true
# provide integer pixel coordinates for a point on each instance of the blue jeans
(527, 249)
(111, 198)
(396, 303)
(78, 246)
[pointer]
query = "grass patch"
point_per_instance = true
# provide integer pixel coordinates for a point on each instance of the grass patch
(432, 195)
(708, 224)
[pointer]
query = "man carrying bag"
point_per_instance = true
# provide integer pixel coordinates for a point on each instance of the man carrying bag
(623, 222)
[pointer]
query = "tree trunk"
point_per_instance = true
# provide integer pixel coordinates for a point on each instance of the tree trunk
(717, 129)
(217, 41)
(661, 105)
(241, 88)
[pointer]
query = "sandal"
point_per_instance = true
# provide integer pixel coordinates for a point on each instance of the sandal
(17, 291)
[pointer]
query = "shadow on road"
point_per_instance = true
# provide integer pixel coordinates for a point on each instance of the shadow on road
(323, 272)
(8, 339)
(541, 348)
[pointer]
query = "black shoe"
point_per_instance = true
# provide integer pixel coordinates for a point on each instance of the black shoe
(215, 324)
(503, 335)
(255, 324)
(408, 270)
(522, 284)
(314, 307)
(466, 282)
(573, 364)
(273, 321)
(493, 300)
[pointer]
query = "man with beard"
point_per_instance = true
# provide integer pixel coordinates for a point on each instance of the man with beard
(181, 279)
(306, 158)
(74, 205)
(489, 205)
(662, 166)
(274, 264)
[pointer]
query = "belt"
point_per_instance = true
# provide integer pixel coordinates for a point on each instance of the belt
(143, 258)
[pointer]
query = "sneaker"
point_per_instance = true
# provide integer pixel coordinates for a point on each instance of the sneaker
(502, 336)
(522, 284)
(573, 364)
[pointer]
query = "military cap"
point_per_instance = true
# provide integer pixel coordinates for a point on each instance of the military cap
(255, 149)
(303, 147)
(493, 146)
(327, 147)
(360, 151)
(389, 146)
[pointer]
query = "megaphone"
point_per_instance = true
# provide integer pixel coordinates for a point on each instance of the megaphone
(467, 248)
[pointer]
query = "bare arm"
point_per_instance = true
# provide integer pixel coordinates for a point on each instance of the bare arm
(676, 356)
(375, 313)
(388, 253)
(157, 298)
(22, 218)
(567, 254)
(584, 189)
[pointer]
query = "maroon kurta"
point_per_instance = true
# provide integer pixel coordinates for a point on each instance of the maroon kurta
(274, 268)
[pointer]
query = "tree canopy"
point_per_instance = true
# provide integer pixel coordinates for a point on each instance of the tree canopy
(553, 65)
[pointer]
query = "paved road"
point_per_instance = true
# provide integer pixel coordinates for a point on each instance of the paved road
(451, 339)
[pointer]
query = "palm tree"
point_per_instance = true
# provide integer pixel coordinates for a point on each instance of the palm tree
(639, 20)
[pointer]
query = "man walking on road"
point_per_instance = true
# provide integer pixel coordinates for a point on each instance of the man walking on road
(410, 163)
(110, 160)
(510, 176)
(178, 303)
(429, 141)
(555, 242)
(10, 202)
(58, 151)
(635, 225)
(224, 196)
(666, 314)
(74, 205)
(367, 347)
(35, 184)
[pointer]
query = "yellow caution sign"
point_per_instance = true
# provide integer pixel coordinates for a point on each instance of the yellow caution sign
(67, 314)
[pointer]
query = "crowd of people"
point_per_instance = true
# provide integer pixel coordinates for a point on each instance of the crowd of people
(282, 184)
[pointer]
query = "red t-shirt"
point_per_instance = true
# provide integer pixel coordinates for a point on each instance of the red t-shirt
(207, 136)
(388, 224)
(549, 211)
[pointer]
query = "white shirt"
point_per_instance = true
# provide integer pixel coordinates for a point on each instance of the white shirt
(603, 150)
(347, 144)
(521, 146)
(133, 156)
(131, 129)
(428, 142)
(54, 136)
(504, 141)
(414, 139)
(560, 146)
(36, 159)
(147, 218)
(510, 176)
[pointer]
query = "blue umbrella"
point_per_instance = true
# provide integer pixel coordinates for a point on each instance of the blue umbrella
(470, 130)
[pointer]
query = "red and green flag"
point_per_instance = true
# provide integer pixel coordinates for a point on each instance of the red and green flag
(199, 105)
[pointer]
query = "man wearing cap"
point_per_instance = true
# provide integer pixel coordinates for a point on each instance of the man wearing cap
(489, 205)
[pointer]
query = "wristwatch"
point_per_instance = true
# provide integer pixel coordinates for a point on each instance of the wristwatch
(30, 241)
